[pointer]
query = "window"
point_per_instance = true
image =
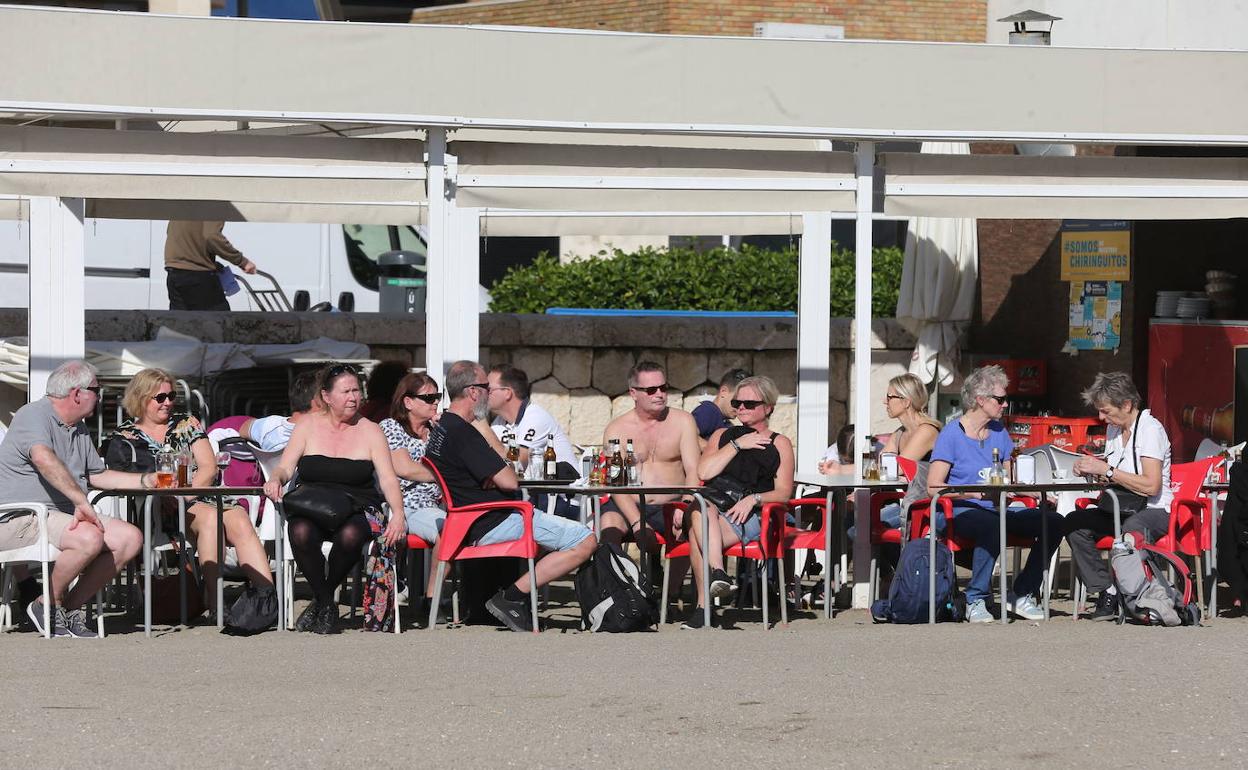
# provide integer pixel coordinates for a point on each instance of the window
(365, 243)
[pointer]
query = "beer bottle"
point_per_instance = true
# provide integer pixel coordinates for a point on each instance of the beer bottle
(549, 471)
(615, 468)
(632, 471)
(870, 470)
(1014, 453)
(513, 457)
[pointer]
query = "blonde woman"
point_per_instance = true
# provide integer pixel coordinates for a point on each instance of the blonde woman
(744, 466)
(148, 400)
(906, 401)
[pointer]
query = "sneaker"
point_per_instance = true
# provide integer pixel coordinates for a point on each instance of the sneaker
(308, 616)
(696, 620)
(1106, 607)
(514, 615)
(1026, 607)
(326, 621)
(721, 585)
(60, 626)
(977, 612)
(76, 624)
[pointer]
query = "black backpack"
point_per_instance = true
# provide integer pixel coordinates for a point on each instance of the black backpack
(614, 594)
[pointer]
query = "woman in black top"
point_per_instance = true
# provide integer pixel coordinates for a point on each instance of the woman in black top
(743, 467)
(346, 453)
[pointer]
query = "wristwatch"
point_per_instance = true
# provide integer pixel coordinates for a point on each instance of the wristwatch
(1109, 474)
(758, 498)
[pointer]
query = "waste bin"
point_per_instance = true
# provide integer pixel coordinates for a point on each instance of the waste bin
(401, 282)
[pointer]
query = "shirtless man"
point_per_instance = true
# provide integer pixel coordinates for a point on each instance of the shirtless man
(665, 441)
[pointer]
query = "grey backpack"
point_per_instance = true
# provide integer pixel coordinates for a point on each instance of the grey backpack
(1147, 596)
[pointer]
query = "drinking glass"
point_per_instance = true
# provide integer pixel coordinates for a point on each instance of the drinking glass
(166, 469)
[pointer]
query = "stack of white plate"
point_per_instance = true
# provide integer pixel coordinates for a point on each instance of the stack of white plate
(1194, 306)
(1168, 303)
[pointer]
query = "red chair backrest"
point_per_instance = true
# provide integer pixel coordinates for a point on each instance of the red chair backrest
(1188, 478)
(907, 467)
(437, 476)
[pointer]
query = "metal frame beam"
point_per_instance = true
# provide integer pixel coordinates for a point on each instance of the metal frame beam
(56, 317)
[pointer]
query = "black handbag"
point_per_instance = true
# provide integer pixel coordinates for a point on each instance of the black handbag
(253, 612)
(324, 505)
(130, 455)
(723, 492)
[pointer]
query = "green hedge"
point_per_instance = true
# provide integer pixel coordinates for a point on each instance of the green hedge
(686, 279)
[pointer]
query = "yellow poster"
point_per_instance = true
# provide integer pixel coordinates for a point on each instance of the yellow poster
(1096, 251)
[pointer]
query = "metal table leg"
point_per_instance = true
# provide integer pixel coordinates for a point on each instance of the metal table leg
(706, 563)
(185, 554)
(147, 567)
(1005, 617)
(1044, 548)
(827, 554)
(931, 560)
(1213, 556)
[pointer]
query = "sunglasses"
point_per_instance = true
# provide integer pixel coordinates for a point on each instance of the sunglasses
(482, 385)
(650, 391)
(161, 398)
(1002, 400)
(428, 398)
(747, 403)
(94, 389)
(891, 396)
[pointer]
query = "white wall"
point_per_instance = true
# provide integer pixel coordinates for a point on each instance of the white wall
(1203, 24)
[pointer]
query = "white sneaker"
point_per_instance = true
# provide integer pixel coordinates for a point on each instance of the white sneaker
(977, 612)
(1026, 607)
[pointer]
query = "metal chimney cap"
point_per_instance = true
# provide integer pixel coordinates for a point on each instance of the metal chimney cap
(1026, 16)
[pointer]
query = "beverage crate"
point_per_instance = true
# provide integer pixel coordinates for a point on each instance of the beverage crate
(1074, 434)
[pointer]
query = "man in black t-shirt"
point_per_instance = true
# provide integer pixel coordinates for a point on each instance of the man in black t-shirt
(475, 473)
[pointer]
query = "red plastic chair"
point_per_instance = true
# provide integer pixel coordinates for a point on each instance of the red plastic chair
(414, 543)
(453, 544)
(770, 545)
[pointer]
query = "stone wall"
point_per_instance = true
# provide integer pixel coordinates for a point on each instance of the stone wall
(578, 365)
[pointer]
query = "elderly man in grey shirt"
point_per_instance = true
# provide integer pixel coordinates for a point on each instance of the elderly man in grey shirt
(48, 457)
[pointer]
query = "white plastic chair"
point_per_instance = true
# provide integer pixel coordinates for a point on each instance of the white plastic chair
(43, 553)
(268, 462)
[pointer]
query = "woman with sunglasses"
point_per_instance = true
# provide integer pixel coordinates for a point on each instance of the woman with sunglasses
(963, 455)
(149, 401)
(340, 452)
(743, 466)
(413, 410)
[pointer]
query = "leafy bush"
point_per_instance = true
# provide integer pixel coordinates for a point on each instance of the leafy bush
(750, 279)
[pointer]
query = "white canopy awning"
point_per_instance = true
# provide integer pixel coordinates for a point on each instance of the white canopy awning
(1088, 187)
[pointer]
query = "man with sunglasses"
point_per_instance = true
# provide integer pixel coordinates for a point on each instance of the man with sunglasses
(474, 472)
(718, 412)
(665, 442)
(48, 457)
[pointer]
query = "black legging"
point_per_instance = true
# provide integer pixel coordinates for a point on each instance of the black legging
(1233, 535)
(348, 549)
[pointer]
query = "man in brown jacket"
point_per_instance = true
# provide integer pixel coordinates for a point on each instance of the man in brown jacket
(190, 265)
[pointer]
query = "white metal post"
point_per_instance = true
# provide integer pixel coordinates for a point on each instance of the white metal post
(814, 297)
(864, 196)
(56, 318)
(865, 163)
(440, 246)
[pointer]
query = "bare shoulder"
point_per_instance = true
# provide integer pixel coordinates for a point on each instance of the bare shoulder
(618, 424)
(681, 419)
(781, 440)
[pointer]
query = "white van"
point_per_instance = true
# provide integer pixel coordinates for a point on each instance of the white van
(125, 262)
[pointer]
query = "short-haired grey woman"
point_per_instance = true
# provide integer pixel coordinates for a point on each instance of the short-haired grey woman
(1137, 459)
(962, 455)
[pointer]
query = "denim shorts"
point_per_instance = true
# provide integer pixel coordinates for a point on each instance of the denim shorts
(425, 523)
(752, 528)
(554, 533)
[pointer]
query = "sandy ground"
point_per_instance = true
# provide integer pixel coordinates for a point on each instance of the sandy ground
(818, 693)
